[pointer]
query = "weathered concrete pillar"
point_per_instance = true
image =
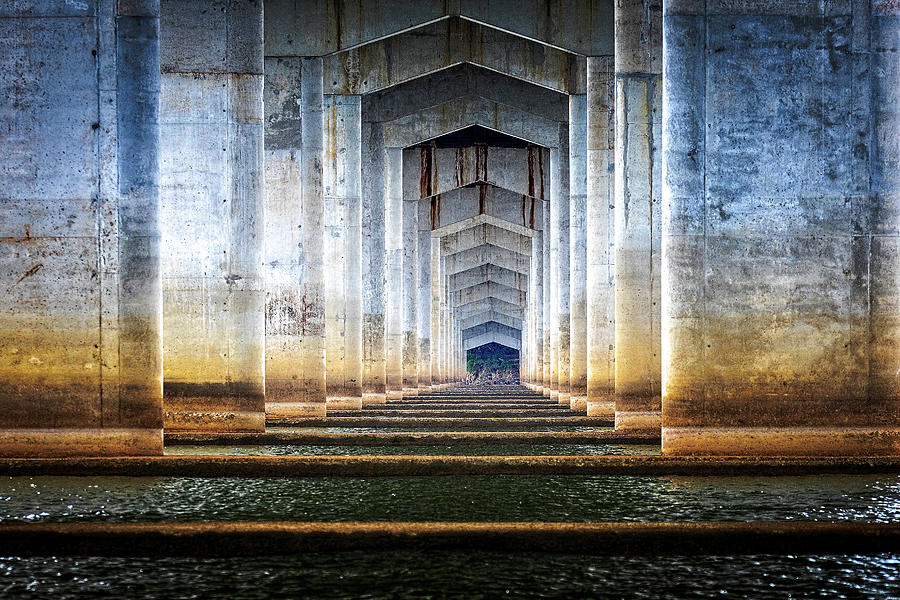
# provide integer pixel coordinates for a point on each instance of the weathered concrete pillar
(578, 167)
(295, 315)
(781, 264)
(343, 249)
(410, 296)
(373, 264)
(638, 64)
(437, 285)
(536, 301)
(393, 165)
(80, 322)
(423, 311)
(600, 216)
(211, 104)
(553, 260)
(549, 352)
(559, 256)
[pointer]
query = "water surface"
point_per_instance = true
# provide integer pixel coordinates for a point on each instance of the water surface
(469, 575)
(475, 498)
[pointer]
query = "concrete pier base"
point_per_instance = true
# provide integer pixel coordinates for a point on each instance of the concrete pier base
(281, 410)
(601, 408)
(650, 420)
(67, 441)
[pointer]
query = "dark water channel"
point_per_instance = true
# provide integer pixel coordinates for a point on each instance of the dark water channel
(465, 575)
(475, 498)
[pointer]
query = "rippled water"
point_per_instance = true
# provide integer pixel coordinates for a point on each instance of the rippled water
(458, 450)
(476, 498)
(469, 575)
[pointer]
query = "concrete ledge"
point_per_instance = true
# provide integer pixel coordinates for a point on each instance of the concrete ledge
(295, 409)
(343, 402)
(638, 421)
(70, 441)
(493, 413)
(272, 538)
(187, 420)
(361, 421)
(408, 438)
(780, 441)
(403, 466)
(602, 408)
(462, 404)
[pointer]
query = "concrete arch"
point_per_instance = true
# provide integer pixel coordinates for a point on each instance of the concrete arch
(489, 290)
(317, 27)
(509, 209)
(465, 111)
(486, 338)
(485, 273)
(487, 305)
(483, 233)
(488, 316)
(463, 79)
(442, 44)
(487, 254)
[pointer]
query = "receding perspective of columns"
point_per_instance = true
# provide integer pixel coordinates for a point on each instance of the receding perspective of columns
(211, 143)
(638, 62)
(80, 326)
(781, 264)
(394, 299)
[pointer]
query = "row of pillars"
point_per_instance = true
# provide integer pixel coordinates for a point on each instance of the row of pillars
(337, 299)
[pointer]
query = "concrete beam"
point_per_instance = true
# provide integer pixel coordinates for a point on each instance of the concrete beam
(493, 337)
(437, 87)
(484, 255)
(485, 273)
(319, 27)
(522, 171)
(433, 122)
(488, 305)
(490, 316)
(489, 290)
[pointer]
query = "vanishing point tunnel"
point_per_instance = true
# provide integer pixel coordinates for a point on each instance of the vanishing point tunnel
(450, 276)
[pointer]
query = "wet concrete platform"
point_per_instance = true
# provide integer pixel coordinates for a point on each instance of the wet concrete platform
(403, 466)
(411, 438)
(274, 538)
(442, 422)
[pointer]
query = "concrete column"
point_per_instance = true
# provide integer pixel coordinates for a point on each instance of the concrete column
(559, 231)
(393, 165)
(423, 311)
(373, 264)
(549, 354)
(211, 104)
(553, 256)
(638, 64)
(410, 296)
(536, 300)
(343, 248)
(80, 322)
(781, 327)
(295, 316)
(437, 285)
(601, 375)
(578, 167)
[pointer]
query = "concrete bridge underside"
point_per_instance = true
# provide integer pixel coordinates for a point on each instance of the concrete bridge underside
(216, 213)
